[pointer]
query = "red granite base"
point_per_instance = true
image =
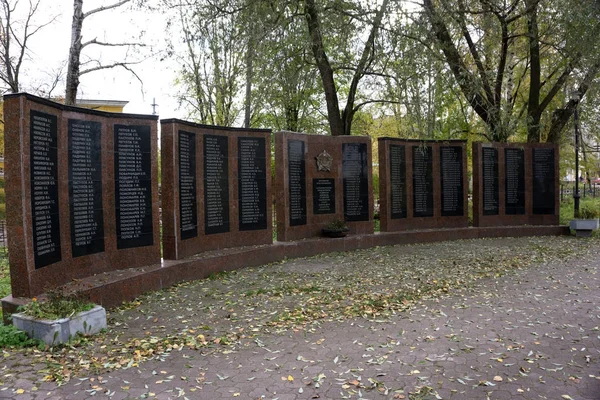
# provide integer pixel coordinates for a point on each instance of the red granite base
(114, 287)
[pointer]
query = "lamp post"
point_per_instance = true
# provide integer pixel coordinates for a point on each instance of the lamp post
(576, 196)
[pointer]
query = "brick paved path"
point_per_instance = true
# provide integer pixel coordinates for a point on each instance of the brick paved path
(534, 334)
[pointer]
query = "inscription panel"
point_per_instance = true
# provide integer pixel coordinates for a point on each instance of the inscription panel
(85, 187)
(297, 182)
(44, 189)
(398, 204)
(451, 170)
(133, 186)
(543, 181)
(216, 184)
(252, 183)
(356, 181)
(422, 181)
(324, 196)
(490, 180)
(514, 160)
(188, 212)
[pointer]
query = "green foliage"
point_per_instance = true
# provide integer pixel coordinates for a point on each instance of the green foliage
(567, 208)
(588, 212)
(337, 225)
(4, 276)
(15, 338)
(58, 305)
(375, 186)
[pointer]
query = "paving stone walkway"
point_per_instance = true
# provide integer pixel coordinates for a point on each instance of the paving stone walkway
(533, 334)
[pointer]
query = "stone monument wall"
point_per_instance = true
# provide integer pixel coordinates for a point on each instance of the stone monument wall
(81, 192)
(216, 188)
(515, 184)
(422, 184)
(319, 179)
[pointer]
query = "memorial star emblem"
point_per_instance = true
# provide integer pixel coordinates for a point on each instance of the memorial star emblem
(324, 161)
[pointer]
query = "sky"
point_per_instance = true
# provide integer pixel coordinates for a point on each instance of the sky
(49, 50)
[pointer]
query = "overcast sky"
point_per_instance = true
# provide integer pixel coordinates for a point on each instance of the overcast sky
(50, 47)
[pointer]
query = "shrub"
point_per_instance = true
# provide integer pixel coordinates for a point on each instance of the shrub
(587, 212)
(12, 337)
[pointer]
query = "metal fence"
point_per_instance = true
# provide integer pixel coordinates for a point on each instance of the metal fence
(585, 190)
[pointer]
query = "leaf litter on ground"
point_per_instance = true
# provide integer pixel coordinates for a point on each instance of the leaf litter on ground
(234, 309)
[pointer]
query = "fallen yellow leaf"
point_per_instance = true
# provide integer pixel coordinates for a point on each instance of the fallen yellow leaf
(290, 378)
(20, 391)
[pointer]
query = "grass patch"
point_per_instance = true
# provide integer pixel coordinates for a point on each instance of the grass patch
(567, 207)
(4, 277)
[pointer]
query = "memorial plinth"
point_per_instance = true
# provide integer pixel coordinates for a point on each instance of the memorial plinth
(320, 179)
(81, 192)
(515, 184)
(216, 188)
(422, 184)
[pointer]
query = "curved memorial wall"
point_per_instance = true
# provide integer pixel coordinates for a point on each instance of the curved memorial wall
(81, 192)
(216, 188)
(83, 206)
(320, 179)
(422, 184)
(515, 184)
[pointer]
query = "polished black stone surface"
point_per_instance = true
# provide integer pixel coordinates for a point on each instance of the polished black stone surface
(399, 208)
(216, 184)
(422, 164)
(252, 183)
(133, 186)
(188, 210)
(489, 180)
(451, 169)
(324, 196)
(356, 181)
(44, 188)
(85, 187)
(297, 182)
(514, 181)
(543, 181)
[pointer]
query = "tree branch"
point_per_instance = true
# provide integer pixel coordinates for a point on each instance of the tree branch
(104, 8)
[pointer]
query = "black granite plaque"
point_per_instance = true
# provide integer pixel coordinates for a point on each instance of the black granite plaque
(356, 181)
(514, 181)
(85, 187)
(252, 183)
(451, 170)
(489, 180)
(543, 181)
(188, 210)
(133, 186)
(324, 196)
(398, 181)
(44, 188)
(422, 164)
(297, 182)
(216, 184)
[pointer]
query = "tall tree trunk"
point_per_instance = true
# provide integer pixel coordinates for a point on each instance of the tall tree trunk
(333, 108)
(6, 38)
(74, 53)
(533, 114)
(465, 80)
(366, 59)
(249, 76)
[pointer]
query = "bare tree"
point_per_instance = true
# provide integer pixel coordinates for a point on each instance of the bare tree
(74, 71)
(14, 38)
